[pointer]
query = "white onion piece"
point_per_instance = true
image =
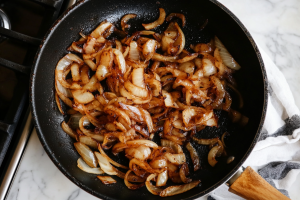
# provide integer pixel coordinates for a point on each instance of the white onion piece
(208, 67)
(147, 117)
(62, 90)
(130, 185)
(138, 77)
(168, 99)
(177, 159)
(167, 143)
(74, 58)
(84, 167)
(133, 51)
(120, 60)
(139, 142)
(178, 189)
(109, 159)
(86, 153)
(68, 130)
(166, 42)
(180, 40)
(105, 165)
(106, 180)
(226, 56)
(88, 141)
(212, 155)
(162, 178)
(82, 96)
(63, 63)
(101, 29)
(151, 188)
(187, 115)
(102, 72)
(149, 49)
(141, 152)
(136, 90)
(187, 67)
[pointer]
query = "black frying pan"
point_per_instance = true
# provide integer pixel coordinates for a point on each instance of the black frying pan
(85, 16)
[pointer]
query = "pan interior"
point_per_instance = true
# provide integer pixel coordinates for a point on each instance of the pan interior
(85, 17)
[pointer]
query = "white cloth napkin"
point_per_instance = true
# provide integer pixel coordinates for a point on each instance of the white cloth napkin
(276, 157)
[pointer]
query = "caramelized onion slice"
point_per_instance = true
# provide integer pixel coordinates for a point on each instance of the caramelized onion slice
(109, 159)
(177, 159)
(86, 153)
(106, 180)
(125, 19)
(194, 156)
(226, 56)
(101, 29)
(178, 189)
(120, 60)
(82, 96)
(133, 51)
(159, 21)
(169, 102)
(151, 188)
(184, 171)
(162, 179)
(138, 142)
(130, 185)
(212, 155)
(149, 49)
(179, 15)
(138, 77)
(88, 141)
(136, 90)
(159, 57)
(68, 130)
(167, 143)
(84, 167)
(105, 165)
(141, 152)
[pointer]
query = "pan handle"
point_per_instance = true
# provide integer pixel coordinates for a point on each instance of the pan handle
(250, 185)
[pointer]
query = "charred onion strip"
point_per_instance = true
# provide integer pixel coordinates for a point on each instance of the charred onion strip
(159, 21)
(179, 15)
(125, 19)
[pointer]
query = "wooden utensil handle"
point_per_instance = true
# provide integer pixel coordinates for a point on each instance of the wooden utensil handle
(250, 185)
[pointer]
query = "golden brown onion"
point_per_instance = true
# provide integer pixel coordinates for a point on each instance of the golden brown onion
(159, 21)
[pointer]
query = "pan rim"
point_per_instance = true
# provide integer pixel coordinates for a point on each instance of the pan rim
(87, 189)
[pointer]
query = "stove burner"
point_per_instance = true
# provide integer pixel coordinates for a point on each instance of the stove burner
(4, 22)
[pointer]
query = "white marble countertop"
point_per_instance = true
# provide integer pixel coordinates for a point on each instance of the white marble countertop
(274, 24)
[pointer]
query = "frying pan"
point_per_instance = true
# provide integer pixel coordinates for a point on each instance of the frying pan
(85, 16)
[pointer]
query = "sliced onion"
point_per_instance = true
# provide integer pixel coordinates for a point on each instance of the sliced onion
(130, 185)
(136, 90)
(137, 63)
(175, 72)
(84, 74)
(168, 99)
(105, 165)
(147, 118)
(93, 85)
(112, 110)
(191, 112)
(159, 21)
(88, 141)
(135, 99)
(63, 93)
(141, 152)
(187, 67)
(141, 130)
(125, 53)
(187, 58)
(162, 179)
(180, 125)
(149, 49)
(101, 29)
(82, 97)
(206, 141)
(178, 189)
(133, 112)
(106, 180)
(194, 156)
(75, 72)
(125, 19)
(120, 60)
(109, 159)
(167, 143)
(159, 57)
(241, 101)
(220, 91)
(147, 143)
(138, 77)
(74, 121)
(84, 167)
(212, 155)
(82, 121)
(102, 72)
(68, 130)
(151, 188)
(59, 105)
(179, 15)
(226, 56)
(159, 162)
(133, 51)
(86, 153)
(184, 171)
(180, 41)
(177, 159)
(144, 165)
(208, 68)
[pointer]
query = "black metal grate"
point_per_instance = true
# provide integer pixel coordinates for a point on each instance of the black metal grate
(9, 125)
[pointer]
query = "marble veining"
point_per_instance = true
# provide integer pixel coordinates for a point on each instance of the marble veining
(274, 24)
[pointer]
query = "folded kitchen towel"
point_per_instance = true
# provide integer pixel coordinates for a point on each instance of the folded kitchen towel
(276, 157)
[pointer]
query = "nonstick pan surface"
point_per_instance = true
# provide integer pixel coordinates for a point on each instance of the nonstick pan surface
(85, 16)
